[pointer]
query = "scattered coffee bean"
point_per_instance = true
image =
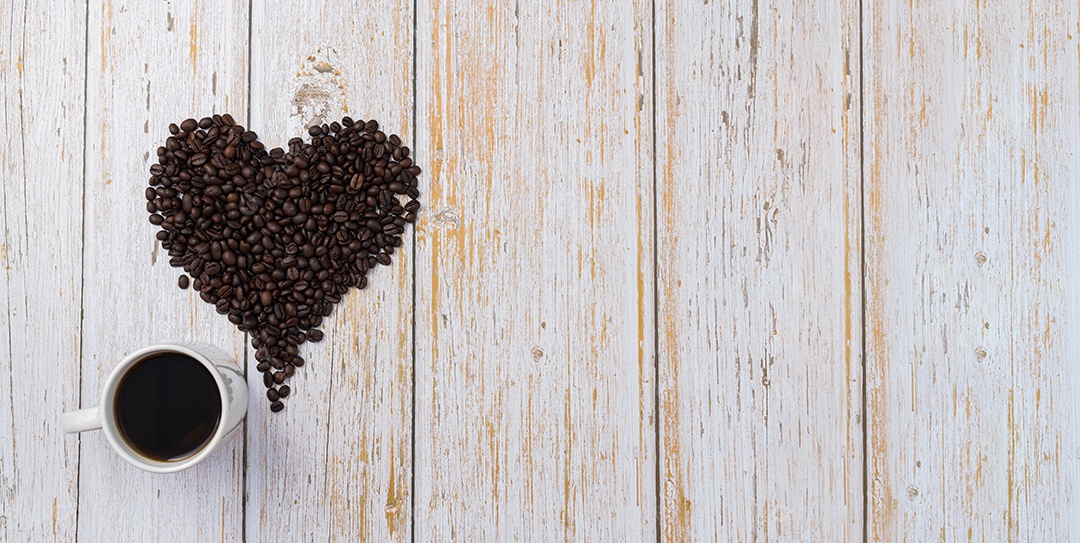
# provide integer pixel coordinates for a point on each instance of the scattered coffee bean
(275, 238)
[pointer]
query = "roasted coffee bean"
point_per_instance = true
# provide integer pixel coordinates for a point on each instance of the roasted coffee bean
(274, 238)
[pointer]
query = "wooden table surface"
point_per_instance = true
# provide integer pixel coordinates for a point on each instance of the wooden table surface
(740, 270)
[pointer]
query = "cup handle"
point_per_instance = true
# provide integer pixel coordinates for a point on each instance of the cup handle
(81, 420)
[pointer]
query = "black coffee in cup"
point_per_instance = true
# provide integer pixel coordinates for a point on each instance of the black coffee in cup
(168, 406)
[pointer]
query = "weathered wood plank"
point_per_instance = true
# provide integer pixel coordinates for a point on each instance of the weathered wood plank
(535, 375)
(150, 63)
(759, 270)
(42, 54)
(337, 463)
(972, 236)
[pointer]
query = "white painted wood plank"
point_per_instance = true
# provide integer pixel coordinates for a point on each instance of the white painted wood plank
(150, 64)
(973, 241)
(336, 464)
(535, 363)
(759, 270)
(41, 181)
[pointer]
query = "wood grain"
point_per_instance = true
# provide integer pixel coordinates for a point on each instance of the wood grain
(972, 312)
(759, 271)
(534, 377)
(550, 316)
(41, 181)
(150, 64)
(337, 463)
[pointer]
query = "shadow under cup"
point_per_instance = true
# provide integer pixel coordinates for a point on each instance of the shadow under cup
(167, 407)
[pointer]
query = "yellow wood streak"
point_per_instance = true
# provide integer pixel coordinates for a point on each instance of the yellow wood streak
(193, 35)
(106, 30)
(676, 505)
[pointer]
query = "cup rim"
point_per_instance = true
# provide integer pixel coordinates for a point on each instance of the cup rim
(108, 410)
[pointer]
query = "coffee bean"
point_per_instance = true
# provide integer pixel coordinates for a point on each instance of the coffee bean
(274, 238)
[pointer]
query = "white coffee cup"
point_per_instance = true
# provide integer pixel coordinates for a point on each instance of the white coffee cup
(231, 384)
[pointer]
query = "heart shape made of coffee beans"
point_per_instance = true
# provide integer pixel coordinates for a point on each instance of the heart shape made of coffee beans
(275, 239)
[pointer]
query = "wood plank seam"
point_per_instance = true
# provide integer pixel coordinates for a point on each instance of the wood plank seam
(246, 465)
(415, 140)
(82, 254)
(862, 276)
(657, 415)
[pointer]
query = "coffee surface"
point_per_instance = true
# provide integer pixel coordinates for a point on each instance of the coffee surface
(168, 406)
